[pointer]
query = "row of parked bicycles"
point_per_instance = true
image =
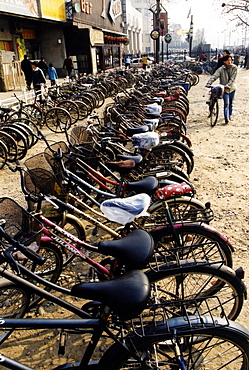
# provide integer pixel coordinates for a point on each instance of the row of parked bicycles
(112, 219)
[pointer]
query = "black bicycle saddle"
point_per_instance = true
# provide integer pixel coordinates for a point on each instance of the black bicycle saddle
(127, 295)
(134, 250)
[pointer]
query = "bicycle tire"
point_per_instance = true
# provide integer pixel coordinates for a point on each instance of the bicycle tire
(191, 280)
(87, 102)
(72, 109)
(213, 112)
(174, 112)
(83, 111)
(192, 236)
(162, 156)
(53, 262)
(16, 115)
(209, 348)
(101, 97)
(26, 131)
(14, 303)
(11, 145)
(20, 139)
(57, 119)
(33, 127)
(34, 113)
(3, 154)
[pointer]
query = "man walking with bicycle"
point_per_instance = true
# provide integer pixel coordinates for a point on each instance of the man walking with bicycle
(227, 74)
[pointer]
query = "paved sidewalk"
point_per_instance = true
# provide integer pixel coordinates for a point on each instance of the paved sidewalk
(6, 98)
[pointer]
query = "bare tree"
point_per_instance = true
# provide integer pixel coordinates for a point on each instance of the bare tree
(238, 9)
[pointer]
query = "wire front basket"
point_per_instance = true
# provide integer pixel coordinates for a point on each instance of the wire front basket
(18, 223)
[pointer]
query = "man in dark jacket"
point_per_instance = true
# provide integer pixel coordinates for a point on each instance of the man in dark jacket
(43, 66)
(27, 70)
(38, 77)
(68, 64)
(221, 60)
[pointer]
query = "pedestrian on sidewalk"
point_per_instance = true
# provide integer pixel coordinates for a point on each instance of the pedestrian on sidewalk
(43, 66)
(68, 64)
(27, 70)
(221, 60)
(144, 62)
(52, 74)
(227, 74)
(38, 77)
(127, 62)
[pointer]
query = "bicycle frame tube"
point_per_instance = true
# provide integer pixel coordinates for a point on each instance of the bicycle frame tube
(64, 244)
(41, 292)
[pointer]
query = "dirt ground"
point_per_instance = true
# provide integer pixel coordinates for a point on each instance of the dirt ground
(220, 176)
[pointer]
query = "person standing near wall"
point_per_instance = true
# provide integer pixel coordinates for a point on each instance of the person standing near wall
(68, 64)
(43, 66)
(52, 74)
(27, 70)
(38, 77)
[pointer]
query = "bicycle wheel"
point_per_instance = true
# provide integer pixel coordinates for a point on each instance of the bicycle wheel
(197, 241)
(25, 130)
(20, 139)
(72, 109)
(198, 348)
(14, 302)
(213, 112)
(52, 267)
(162, 156)
(191, 280)
(34, 113)
(17, 115)
(57, 119)
(83, 111)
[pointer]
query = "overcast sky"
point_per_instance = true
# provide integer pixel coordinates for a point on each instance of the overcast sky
(219, 31)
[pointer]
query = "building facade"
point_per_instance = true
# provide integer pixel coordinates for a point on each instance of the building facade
(143, 7)
(92, 32)
(133, 27)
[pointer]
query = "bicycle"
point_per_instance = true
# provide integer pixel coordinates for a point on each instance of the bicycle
(216, 93)
(140, 328)
(183, 232)
(212, 277)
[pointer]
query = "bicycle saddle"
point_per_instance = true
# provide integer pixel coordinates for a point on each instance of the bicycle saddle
(157, 100)
(134, 250)
(5, 110)
(148, 185)
(122, 167)
(136, 158)
(136, 130)
(126, 295)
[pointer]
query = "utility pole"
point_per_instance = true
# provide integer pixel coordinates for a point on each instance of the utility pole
(156, 10)
(191, 36)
